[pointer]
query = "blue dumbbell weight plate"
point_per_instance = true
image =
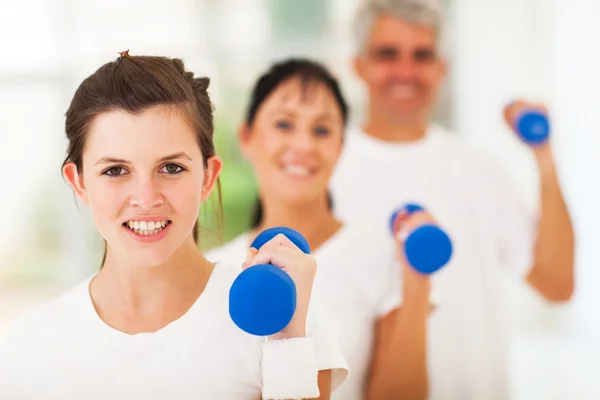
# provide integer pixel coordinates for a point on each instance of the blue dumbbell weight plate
(294, 237)
(428, 249)
(262, 300)
(409, 208)
(533, 127)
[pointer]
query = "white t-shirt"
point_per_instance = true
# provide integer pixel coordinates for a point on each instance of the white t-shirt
(357, 282)
(490, 227)
(63, 350)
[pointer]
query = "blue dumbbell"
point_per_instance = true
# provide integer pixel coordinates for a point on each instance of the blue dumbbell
(262, 299)
(533, 127)
(427, 248)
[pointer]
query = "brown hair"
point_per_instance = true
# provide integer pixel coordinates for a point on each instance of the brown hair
(133, 84)
(309, 72)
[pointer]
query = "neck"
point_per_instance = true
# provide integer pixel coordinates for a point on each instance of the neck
(394, 129)
(313, 219)
(132, 294)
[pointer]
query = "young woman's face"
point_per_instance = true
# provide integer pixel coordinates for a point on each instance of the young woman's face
(144, 179)
(295, 141)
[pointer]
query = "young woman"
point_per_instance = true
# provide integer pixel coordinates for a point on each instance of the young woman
(153, 323)
(293, 136)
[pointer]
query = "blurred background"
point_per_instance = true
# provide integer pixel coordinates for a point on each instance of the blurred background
(544, 50)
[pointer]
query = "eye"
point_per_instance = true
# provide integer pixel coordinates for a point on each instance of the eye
(283, 125)
(321, 131)
(115, 171)
(424, 55)
(386, 54)
(172, 169)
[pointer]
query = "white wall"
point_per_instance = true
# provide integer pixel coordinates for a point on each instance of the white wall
(545, 50)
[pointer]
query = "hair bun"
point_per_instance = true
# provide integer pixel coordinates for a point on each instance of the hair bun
(203, 83)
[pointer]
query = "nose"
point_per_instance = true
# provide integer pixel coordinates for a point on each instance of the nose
(405, 68)
(303, 141)
(145, 194)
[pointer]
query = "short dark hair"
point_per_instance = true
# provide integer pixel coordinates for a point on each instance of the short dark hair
(308, 72)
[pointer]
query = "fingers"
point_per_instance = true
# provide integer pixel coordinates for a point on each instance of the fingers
(406, 223)
(279, 251)
(513, 109)
(280, 240)
(281, 257)
(249, 256)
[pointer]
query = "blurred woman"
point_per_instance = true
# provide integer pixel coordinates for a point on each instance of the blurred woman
(293, 136)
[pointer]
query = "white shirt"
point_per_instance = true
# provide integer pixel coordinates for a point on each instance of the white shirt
(63, 350)
(472, 199)
(357, 281)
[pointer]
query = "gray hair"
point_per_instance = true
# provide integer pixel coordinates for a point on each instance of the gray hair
(422, 12)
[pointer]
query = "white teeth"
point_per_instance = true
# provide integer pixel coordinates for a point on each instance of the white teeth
(145, 228)
(297, 170)
(403, 91)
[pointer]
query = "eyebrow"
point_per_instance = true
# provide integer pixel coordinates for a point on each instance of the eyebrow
(281, 109)
(392, 49)
(291, 112)
(106, 160)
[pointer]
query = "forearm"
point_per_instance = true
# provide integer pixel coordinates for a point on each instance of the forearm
(553, 271)
(325, 385)
(399, 367)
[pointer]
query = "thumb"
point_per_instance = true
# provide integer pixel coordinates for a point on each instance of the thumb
(252, 252)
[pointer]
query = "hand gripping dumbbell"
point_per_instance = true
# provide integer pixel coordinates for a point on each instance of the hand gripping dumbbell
(428, 248)
(262, 299)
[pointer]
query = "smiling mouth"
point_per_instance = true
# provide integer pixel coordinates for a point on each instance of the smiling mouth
(146, 228)
(298, 170)
(403, 91)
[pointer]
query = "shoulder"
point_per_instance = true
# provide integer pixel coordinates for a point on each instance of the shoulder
(59, 308)
(365, 238)
(44, 323)
(233, 252)
(479, 160)
(356, 246)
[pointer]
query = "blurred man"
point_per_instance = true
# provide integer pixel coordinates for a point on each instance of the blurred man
(399, 156)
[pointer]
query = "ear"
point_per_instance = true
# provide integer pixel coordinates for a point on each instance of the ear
(244, 139)
(358, 66)
(442, 68)
(211, 175)
(75, 180)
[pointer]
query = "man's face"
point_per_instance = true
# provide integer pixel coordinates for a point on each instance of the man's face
(401, 68)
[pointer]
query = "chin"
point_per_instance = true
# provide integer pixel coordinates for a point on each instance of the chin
(148, 258)
(146, 252)
(300, 197)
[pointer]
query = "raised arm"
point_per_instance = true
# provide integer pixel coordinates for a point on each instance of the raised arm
(399, 363)
(552, 272)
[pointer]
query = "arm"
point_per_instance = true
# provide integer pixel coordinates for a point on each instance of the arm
(290, 366)
(325, 385)
(552, 274)
(399, 367)
(399, 363)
